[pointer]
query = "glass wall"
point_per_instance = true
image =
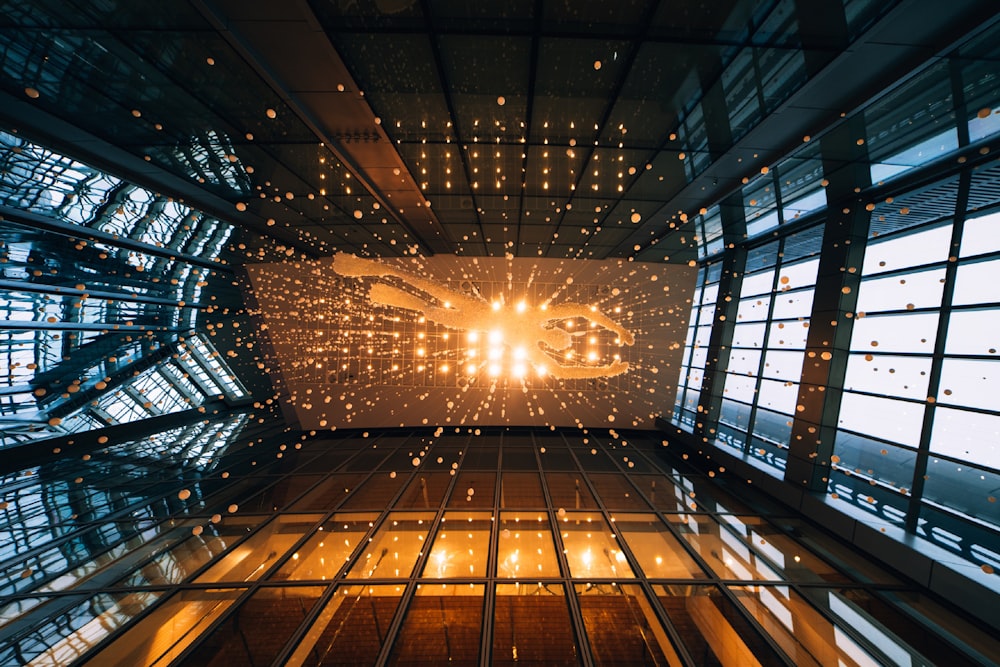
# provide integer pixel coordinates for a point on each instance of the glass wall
(101, 287)
(230, 539)
(906, 325)
(695, 355)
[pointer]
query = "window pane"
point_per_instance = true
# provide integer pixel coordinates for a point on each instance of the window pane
(616, 493)
(163, 634)
(921, 289)
(250, 559)
(525, 548)
(443, 625)
(520, 489)
(977, 282)
(904, 377)
(740, 388)
(973, 332)
(806, 636)
(460, 546)
(568, 491)
(473, 490)
(981, 235)
(712, 629)
(71, 635)
(790, 305)
(896, 421)
(351, 629)
(895, 333)
(591, 549)
(906, 250)
(799, 274)
(393, 550)
(744, 362)
(622, 628)
(876, 460)
(658, 552)
(967, 436)
(778, 396)
(242, 639)
(783, 365)
(970, 382)
(322, 556)
(758, 283)
(424, 491)
(753, 309)
(789, 335)
(748, 335)
(531, 625)
(727, 555)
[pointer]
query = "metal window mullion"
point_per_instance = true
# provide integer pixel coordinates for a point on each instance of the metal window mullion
(575, 614)
(768, 323)
(411, 586)
(688, 351)
(720, 340)
(937, 357)
(677, 644)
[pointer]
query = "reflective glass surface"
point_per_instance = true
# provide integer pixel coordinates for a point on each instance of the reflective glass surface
(221, 561)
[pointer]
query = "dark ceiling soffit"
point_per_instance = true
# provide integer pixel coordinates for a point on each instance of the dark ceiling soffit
(453, 117)
(609, 107)
(55, 133)
(286, 52)
(816, 106)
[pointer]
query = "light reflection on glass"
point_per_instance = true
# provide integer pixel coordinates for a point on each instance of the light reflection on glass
(622, 628)
(394, 548)
(354, 623)
(727, 555)
(326, 552)
(804, 634)
(525, 547)
(658, 552)
(460, 547)
(591, 548)
(250, 559)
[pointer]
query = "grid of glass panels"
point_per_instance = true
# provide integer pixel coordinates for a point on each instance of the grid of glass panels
(77, 312)
(259, 545)
(919, 419)
(768, 346)
(703, 303)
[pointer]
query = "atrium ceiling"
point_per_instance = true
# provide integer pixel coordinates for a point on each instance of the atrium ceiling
(535, 128)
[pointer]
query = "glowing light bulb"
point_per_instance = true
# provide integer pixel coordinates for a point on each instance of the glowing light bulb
(521, 306)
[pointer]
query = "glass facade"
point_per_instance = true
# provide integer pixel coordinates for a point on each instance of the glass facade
(100, 291)
(232, 538)
(905, 417)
